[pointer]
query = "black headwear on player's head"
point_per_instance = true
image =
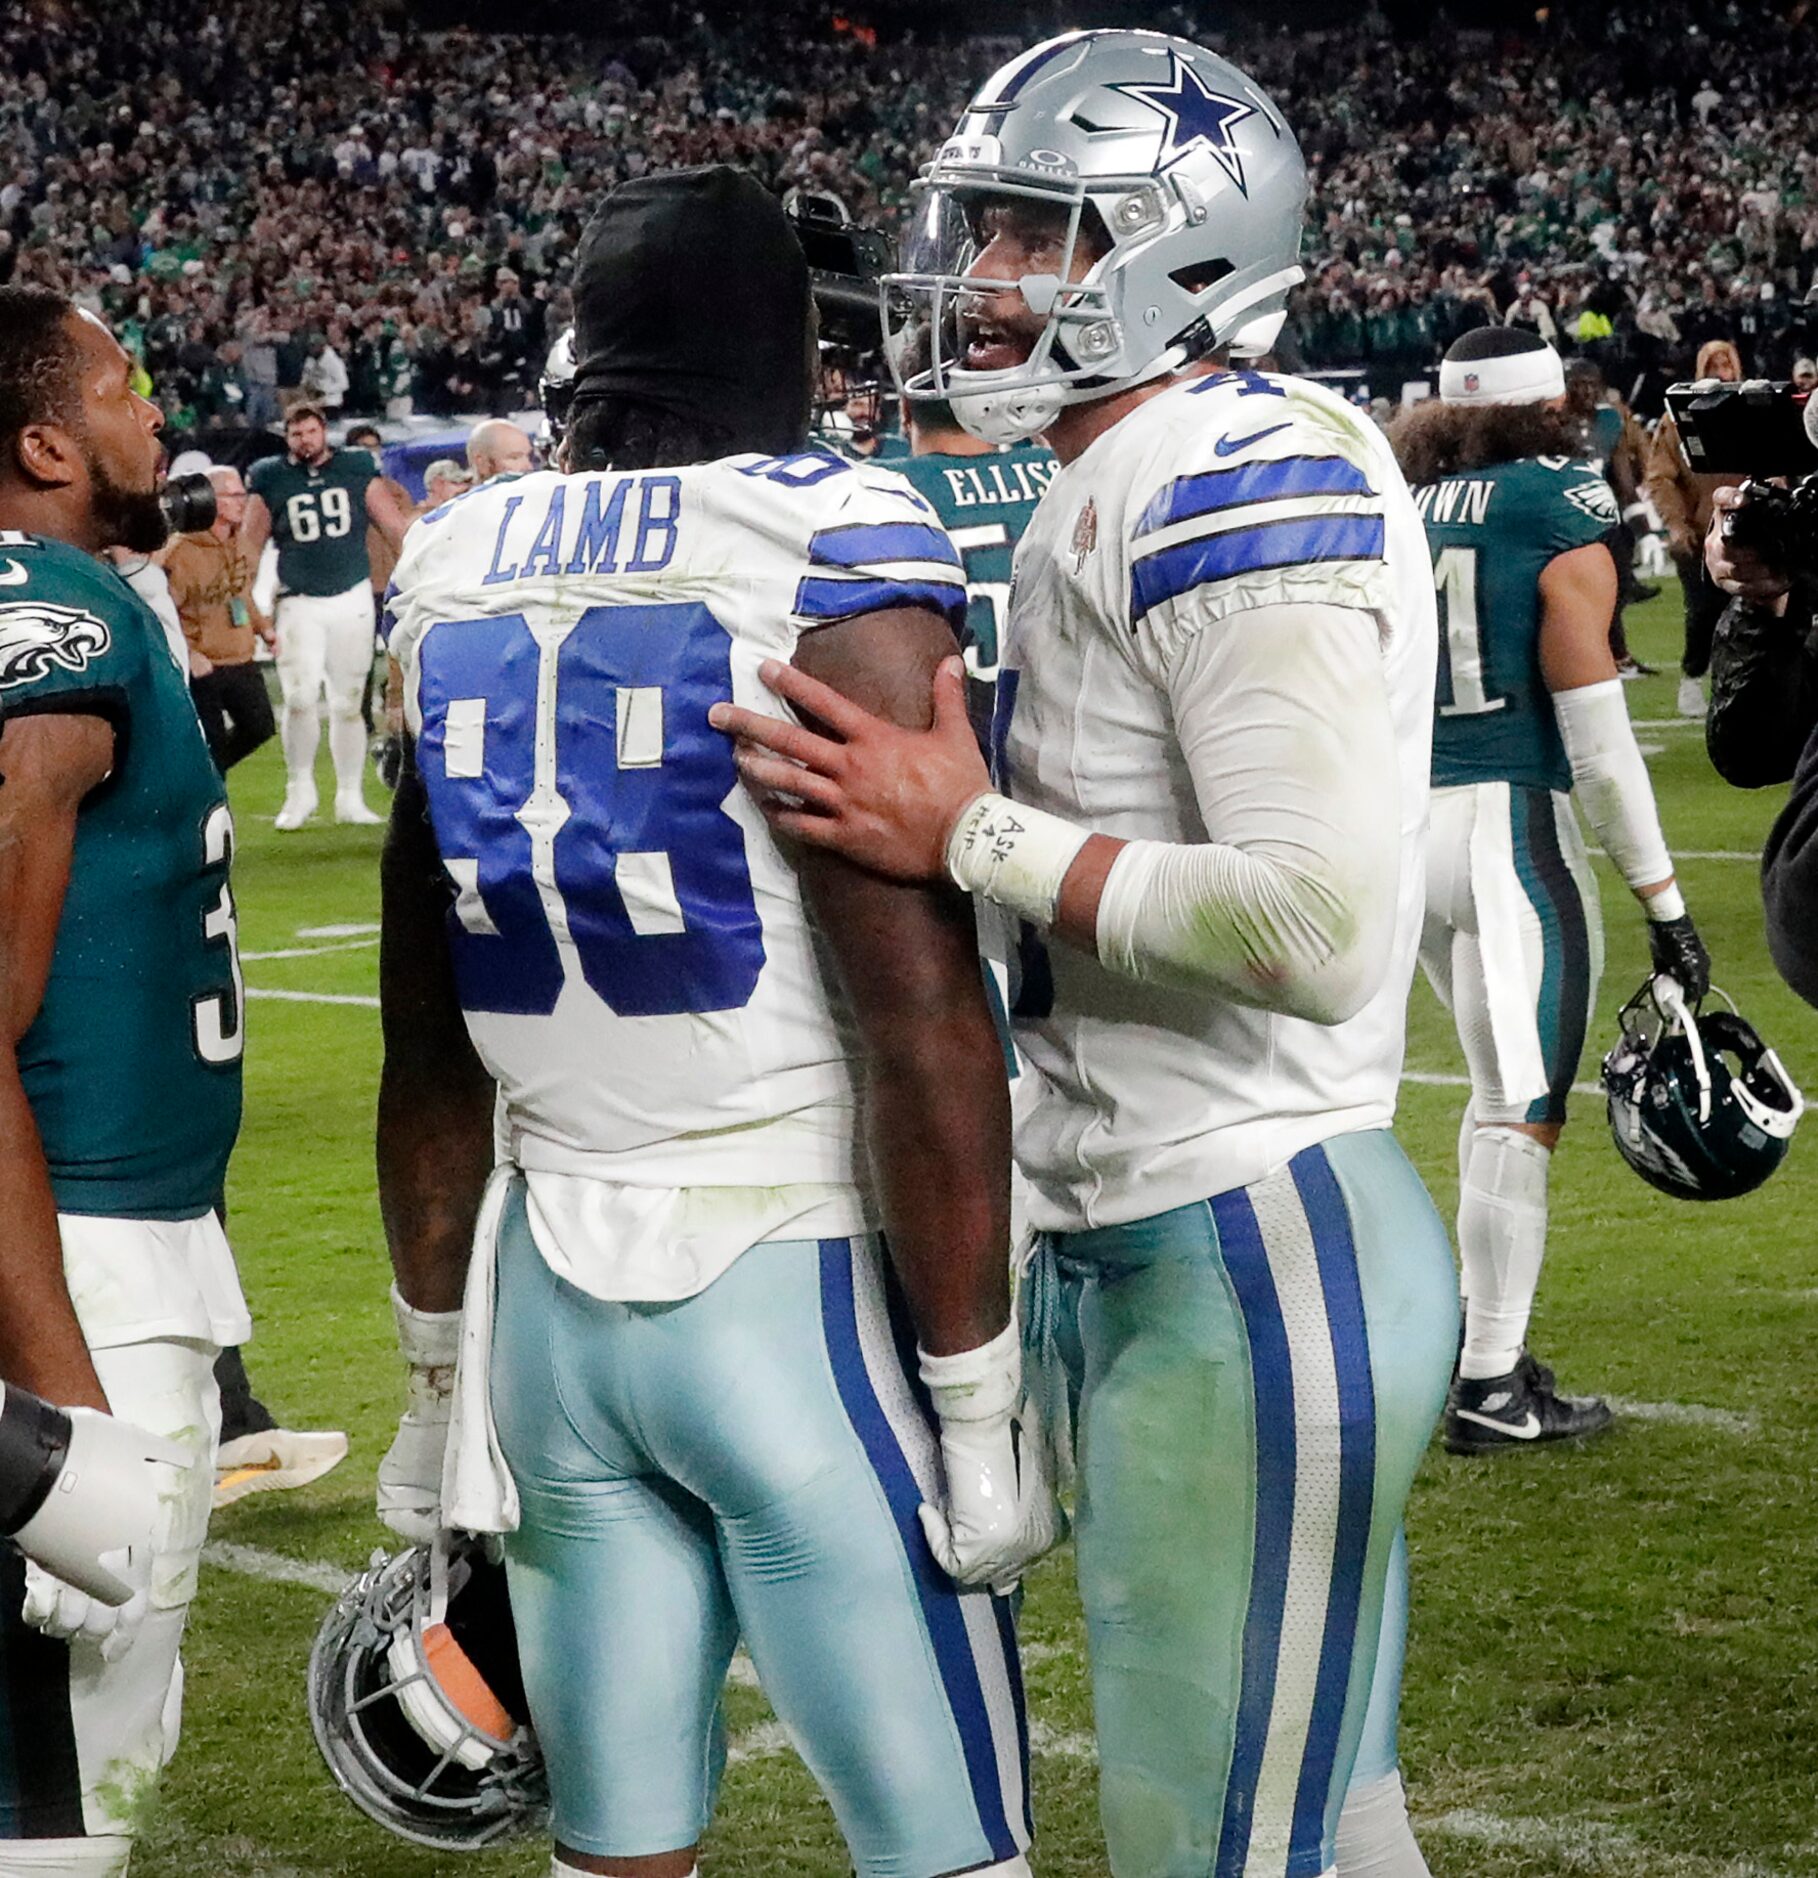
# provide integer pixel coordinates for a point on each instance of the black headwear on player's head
(692, 328)
(38, 356)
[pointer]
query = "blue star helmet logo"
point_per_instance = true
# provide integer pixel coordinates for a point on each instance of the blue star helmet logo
(1198, 119)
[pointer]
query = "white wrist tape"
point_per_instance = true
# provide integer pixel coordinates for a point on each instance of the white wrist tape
(1612, 781)
(428, 1339)
(976, 1385)
(1016, 857)
(1668, 903)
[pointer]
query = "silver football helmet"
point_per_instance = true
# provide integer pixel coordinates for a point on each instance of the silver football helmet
(1166, 162)
(416, 1701)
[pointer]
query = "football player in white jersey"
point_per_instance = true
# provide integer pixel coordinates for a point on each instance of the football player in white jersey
(703, 1416)
(1213, 730)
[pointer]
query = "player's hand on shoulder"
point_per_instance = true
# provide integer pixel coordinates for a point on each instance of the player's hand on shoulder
(410, 1475)
(998, 1513)
(885, 797)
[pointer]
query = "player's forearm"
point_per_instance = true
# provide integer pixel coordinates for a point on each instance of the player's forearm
(435, 1146)
(1612, 784)
(42, 1347)
(939, 1126)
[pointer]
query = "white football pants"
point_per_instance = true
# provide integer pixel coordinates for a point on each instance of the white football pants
(88, 1739)
(325, 643)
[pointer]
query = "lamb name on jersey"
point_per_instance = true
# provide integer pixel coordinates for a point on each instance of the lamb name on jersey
(630, 947)
(1223, 494)
(1492, 532)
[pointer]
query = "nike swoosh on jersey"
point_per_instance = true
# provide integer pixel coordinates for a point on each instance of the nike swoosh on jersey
(15, 575)
(1229, 446)
(1524, 1430)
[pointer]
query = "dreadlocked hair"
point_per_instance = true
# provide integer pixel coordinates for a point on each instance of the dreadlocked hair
(1435, 440)
(627, 434)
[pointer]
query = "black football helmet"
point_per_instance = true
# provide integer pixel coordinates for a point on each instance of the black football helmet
(1699, 1106)
(417, 1704)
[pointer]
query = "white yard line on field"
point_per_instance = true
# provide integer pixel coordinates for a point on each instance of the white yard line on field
(346, 929)
(312, 997)
(1448, 1079)
(1685, 1415)
(274, 1568)
(1584, 1846)
(312, 952)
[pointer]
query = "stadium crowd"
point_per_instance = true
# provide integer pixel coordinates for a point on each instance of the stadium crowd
(298, 199)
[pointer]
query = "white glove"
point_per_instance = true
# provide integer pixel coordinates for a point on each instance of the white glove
(999, 1513)
(60, 1610)
(410, 1476)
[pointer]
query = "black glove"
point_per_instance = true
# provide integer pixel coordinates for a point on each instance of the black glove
(390, 761)
(1679, 952)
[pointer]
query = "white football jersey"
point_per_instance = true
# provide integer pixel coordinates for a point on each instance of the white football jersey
(631, 949)
(1223, 494)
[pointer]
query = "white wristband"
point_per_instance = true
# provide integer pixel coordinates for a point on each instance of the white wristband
(976, 1385)
(1668, 903)
(428, 1339)
(1014, 856)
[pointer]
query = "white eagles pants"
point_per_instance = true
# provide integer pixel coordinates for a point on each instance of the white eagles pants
(85, 1741)
(325, 643)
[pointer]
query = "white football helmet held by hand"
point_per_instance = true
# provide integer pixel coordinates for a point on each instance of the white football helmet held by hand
(1168, 195)
(999, 1513)
(410, 1475)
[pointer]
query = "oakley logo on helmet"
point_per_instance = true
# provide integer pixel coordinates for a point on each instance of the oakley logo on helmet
(1198, 118)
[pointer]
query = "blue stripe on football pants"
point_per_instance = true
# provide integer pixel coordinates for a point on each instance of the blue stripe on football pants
(1256, 1378)
(725, 1464)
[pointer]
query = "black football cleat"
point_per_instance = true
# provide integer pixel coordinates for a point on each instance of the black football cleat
(1493, 1414)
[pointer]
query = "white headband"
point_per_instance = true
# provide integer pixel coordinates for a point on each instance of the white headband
(1511, 378)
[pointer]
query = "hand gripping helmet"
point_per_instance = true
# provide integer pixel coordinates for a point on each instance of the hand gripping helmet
(417, 1704)
(1161, 153)
(1700, 1107)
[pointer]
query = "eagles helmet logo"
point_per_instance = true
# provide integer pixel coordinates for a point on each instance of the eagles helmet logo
(37, 638)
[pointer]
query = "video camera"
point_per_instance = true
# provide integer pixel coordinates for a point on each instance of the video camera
(845, 263)
(1761, 429)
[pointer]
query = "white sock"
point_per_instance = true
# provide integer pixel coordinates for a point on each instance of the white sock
(103, 1856)
(347, 746)
(1467, 1140)
(1502, 1238)
(1374, 1837)
(302, 732)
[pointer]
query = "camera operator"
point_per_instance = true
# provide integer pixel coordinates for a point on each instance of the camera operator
(1762, 720)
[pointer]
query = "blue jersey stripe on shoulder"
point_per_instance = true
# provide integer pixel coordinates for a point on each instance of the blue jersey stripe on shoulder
(1170, 572)
(1268, 481)
(860, 544)
(823, 598)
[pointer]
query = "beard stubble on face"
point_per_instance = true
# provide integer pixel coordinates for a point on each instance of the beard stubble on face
(125, 518)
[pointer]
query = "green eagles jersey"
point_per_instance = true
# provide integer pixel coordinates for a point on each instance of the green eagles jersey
(984, 503)
(318, 519)
(132, 1065)
(1492, 531)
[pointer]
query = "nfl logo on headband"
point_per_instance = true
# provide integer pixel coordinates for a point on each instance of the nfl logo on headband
(1471, 381)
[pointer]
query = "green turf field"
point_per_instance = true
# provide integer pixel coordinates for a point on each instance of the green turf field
(1610, 1669)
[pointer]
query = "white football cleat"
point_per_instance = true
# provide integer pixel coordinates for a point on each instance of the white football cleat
(353, 810)
(299, 806)
(272, 1460)
(1691, 698)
